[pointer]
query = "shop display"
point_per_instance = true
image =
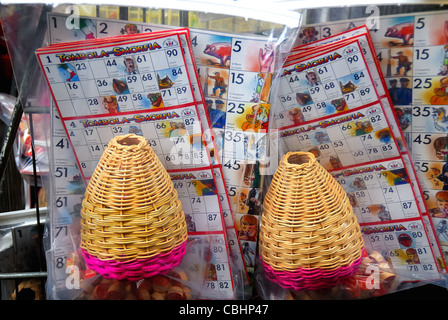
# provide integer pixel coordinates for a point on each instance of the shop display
(344, 123)
(194, 164)
(177, 133)
(309, 236)
(355, 96)
(410, 49)
(132, 222)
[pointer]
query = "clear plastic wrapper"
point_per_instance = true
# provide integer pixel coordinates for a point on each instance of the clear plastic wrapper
(374, 278)
(6, 107)
(313, 114)
(23, 149)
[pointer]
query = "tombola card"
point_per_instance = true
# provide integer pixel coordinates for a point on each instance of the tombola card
(410, 50)
(198, 192)
(379, 191)
(199, 195)
(175, 135)
(150, 83)
(407, 246)
(208, 147)
(333, 81)
(363, 36)
(210, 260)
(104, 77)
(399, 119)
(344, 140)
(105, 96)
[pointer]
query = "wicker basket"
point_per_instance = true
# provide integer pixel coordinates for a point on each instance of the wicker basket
(309, 236)
(132, 222)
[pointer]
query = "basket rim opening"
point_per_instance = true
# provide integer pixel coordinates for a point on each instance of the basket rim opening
(298, 158)
(128, 141)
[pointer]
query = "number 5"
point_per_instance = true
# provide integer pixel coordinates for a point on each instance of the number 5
(237, 45)
(420, 23)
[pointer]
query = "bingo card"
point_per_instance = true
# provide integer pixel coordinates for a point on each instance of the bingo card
(90, 129)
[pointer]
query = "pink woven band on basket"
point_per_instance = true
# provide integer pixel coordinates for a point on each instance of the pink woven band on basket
(138, 269)
(312, 278)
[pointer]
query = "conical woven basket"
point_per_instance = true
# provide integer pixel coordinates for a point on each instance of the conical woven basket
(309, 236)
(132, 222)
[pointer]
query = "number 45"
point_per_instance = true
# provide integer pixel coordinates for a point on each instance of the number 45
(425, 139)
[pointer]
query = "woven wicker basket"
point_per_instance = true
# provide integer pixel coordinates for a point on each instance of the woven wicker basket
(309, 236)
(132, 222)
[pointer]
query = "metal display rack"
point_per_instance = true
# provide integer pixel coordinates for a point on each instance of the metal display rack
(6, 149)
(36, 216)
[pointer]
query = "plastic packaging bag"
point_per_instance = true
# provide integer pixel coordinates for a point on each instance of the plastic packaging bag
(295, 109)
(205, 279)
